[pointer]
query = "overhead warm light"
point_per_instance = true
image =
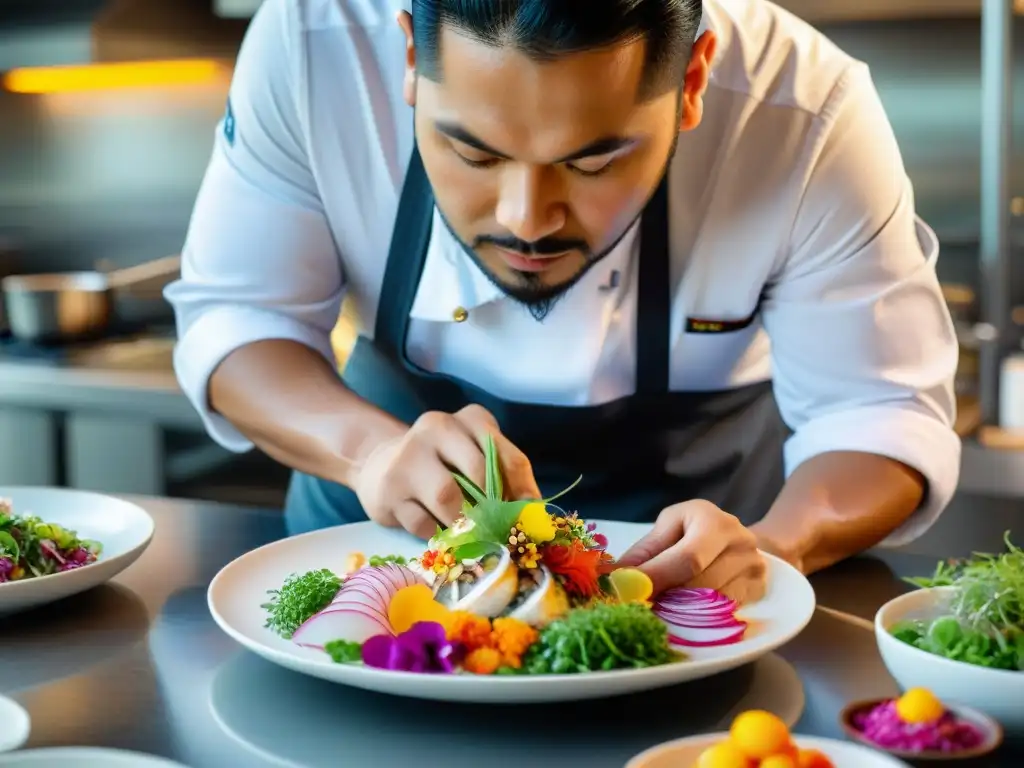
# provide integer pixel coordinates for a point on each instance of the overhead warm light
(96, 77)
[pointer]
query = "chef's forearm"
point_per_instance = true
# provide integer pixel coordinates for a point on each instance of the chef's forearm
(838, 504)
(288, 400)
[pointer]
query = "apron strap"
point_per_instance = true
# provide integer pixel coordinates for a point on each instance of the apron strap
(654, 305)
(406, 257)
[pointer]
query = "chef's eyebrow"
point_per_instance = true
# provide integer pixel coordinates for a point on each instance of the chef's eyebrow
(603, 146)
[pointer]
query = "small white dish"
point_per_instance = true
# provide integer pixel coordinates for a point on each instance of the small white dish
(237, 593)
(124, 529)
(84, 757)
(15, 725)
(683, 753)
(996, 692)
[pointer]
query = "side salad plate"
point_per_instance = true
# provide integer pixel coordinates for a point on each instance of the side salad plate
(57, 542)
(517, 601)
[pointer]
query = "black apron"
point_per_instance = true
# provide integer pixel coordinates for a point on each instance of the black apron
(637, 455)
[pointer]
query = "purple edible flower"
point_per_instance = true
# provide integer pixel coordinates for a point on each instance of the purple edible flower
(883, 726)
(423, 648)
(6, 569)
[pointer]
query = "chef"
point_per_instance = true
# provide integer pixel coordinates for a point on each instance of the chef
(667, 245)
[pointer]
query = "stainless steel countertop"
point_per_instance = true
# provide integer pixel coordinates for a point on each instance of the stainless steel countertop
(140, 665)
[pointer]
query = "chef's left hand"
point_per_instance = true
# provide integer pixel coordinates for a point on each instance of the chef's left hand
(696, 544)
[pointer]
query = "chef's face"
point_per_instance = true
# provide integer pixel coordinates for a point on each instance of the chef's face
(539, 168)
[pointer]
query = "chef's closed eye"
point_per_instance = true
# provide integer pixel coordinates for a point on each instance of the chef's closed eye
(592, 166)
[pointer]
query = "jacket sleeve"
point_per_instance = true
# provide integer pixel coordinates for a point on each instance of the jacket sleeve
(863, 347)
(259, 261)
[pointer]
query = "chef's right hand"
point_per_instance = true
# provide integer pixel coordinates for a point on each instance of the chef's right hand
(407, 482)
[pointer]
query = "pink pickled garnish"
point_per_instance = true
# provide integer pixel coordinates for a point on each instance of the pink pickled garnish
(883, 726)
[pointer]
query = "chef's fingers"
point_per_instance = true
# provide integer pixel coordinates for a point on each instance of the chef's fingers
(668, 529)
(516, 469)
(435, 489)
(460, 452)
(415, 519)
(680, 564)
(748, 587)
(686, 540)
(735, 563)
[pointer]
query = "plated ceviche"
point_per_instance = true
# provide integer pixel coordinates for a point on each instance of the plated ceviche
(984, 625)
(31, 547)
(511, 588)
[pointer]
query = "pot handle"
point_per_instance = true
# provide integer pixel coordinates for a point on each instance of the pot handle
(146, 278)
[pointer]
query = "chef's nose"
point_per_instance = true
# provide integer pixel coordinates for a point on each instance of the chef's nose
(529, 202)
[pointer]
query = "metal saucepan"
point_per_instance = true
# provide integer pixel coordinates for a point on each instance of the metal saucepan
(70, 306)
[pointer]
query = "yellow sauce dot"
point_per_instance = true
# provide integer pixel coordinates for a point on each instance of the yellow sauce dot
(919, 705)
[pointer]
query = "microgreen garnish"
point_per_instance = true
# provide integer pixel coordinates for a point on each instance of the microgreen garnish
(985, 623)
(300, 598)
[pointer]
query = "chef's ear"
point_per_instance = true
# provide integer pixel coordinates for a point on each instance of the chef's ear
(404, 19)
(695, 82)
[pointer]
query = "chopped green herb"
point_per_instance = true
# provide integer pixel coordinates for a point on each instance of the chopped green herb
(344, 651)
(601, 637)
(378, 560)
(300, 598)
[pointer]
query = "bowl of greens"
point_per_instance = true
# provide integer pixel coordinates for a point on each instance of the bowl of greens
(961, 635)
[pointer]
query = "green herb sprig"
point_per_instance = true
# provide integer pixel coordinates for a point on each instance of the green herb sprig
(492, 515)
(299, 599)
(601, 637)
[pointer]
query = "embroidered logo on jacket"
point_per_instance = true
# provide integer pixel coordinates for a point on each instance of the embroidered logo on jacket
(707, 325)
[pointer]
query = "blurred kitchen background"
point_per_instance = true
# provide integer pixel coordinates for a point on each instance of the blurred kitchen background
(98, 176)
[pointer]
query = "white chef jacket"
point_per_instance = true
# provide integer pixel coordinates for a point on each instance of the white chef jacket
(791, 192)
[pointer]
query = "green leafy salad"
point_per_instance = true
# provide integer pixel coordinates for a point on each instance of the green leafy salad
(31, 547)
(985, 623)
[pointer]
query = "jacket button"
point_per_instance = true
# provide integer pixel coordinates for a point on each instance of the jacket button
(460, 315)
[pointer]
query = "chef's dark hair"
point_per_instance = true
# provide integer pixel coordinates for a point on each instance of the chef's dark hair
(546, 29)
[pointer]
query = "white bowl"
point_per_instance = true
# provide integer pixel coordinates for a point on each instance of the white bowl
(15, 725)
(996, 692)
(683, 753)
(124, 529)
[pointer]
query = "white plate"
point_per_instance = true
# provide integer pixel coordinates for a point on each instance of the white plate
(237, 592)
(83, 757)
(123, 529)
(683, 753)
(14, 725)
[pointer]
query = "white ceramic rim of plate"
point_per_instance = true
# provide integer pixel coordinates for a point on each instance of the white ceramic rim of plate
(883, 623)
(15, 725)
(354, 673)
(140, 515)
(880, 759)
(119, 758)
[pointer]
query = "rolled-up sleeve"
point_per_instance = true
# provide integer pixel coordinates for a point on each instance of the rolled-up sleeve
(864, 350)
(259, 261)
